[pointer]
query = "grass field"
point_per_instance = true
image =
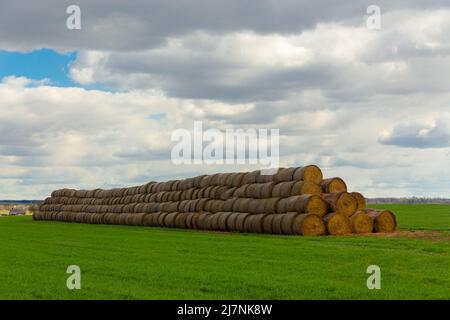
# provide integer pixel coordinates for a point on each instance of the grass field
(120, 262)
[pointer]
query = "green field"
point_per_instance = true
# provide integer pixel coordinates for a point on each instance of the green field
(121, 262)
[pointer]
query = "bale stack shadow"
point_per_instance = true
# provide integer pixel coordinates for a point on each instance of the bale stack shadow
(294, 201)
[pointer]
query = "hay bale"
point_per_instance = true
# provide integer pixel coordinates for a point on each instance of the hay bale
(333, 185)
(305, 187)
(216, 206)
(267, 223)
(276, 223)
(200, 220)
(270, 204)
(341, 202)
(195, 220)
(222, 221)
(337, 224)
(284, 175)
(226, 193)
(180, 220)
(205, 181)
(384, 220)
(241, 205)
(360, 199)
(237, 179)
(310, 173)
(250, 177)
(306, 203)
(196, 181)
(161, 219)
(283, 189)
(228, 204)
(169, 220)
(189, 220)
(253, 191)
(254, 223)
(361, 222)
(231, 222)
(302, 224)
(199, 205)
(241, 191)
(214, 221)
(240, 222)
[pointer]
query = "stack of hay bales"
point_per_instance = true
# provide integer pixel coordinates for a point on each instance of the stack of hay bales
(292, 201)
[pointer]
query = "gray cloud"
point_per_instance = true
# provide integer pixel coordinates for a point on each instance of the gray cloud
(416, 135)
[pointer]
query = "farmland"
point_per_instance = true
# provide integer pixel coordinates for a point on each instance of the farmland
(122, 262)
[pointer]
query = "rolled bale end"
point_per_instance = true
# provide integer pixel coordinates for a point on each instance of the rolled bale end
(360, 200)
(337, 224)
(383, 220)
(308, 225)
(314, 204)
(333, 185)
(309, 173)
(361, 222)
(341, 202)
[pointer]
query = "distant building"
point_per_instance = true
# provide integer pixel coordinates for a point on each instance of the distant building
(17, 211)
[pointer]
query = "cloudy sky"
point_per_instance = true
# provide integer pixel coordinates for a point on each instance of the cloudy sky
(96, 107)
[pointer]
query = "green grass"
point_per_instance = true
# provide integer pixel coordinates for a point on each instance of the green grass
(120, 262)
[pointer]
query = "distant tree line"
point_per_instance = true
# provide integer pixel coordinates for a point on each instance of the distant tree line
(409, 200)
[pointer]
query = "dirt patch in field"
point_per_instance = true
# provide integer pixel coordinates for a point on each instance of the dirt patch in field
(417, 234)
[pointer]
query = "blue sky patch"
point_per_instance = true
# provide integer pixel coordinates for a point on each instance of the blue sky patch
(38, 65)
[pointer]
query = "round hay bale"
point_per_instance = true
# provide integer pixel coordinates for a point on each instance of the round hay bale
(384, 220)
(222, 179)
(228, 204)
(241, 205)
(341, 202)
(214, 180)
(253, 206)
(254, 223)
(150, 219)
(265, 190)
(216, 206)
(230, 178)
(276, 223)
(161, 218)
(200, 221)
(250, 177)
(199, 205)
(360, 200)
(309, 173)
(196, 181)
(205, 181)
(267, 223)
(122, 219)
(306, 203)
(361, 222)
(305, 187)
(333, 185)
(241, 191)
(270, 204)
(207, 192)
(214, 222)
(195, 220)
(150, 197)
(231, 222)
(189, 222)
(175, 185)
(188, 194)
(283, 189)
(207, 205)
(182, 207)
(237, 179)
(337, 224)
(252, 191)
(308, 225)
(195, 194)
(222, 222)
(169, 221)
(149, 187)
(284, 175)
(173, 206)
(240, 221)
(226, 192)
(180, 220)
(214, 192)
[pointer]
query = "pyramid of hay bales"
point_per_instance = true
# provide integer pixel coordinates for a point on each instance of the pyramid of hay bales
(291, 201)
